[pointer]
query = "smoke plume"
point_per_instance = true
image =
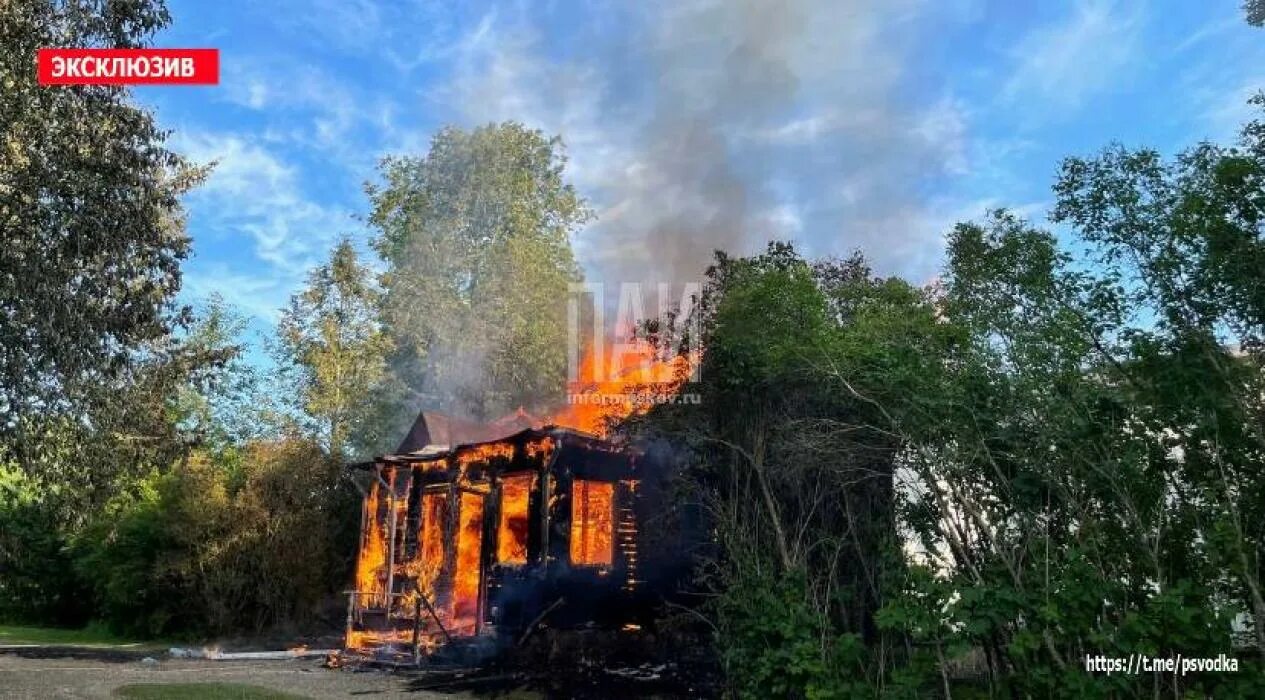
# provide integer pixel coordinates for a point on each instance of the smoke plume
(696, 126)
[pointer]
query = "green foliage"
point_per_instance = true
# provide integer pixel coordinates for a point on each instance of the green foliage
(331, 335)
(782, 654)
(960, 490)
(769, 322)
(1071, 445)
(1255, 10)
(120, 554)
(793, 458)
(34, 586)
(89, 484)
(91, 222)
(476, 236)
(1088, 481)
(224, 400)
(203, 549)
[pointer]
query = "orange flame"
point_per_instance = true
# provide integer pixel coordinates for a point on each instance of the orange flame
(626, 535)
(430, 556)
(469, 551)
(485, 453)
(511, 539)
(592, 516)
(539, 448)
(373, 550)
(628, 379)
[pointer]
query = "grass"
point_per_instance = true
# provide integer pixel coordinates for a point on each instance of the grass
(201, 691)
(90, 636)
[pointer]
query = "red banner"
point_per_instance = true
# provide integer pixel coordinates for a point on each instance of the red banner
(128, 66)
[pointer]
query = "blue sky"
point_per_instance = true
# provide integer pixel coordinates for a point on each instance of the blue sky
(690, 124)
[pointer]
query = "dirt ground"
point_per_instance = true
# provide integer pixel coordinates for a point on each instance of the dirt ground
(30, 674)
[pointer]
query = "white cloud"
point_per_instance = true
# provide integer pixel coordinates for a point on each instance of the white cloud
(345, 24)
(311, 107)
(259, 296)
(253, 198)
(1213, 29)
(1223, 113)
(248, 92)
(944, 127)
(1066, 63)
(1215, 72)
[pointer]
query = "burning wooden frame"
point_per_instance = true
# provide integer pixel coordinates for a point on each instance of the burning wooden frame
(478, 542)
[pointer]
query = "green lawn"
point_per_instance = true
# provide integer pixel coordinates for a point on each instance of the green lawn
(90, 636)
(201, 691)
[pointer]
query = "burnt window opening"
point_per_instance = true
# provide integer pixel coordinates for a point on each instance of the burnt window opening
(469, 551)
(511, 539)
(592, 516)
(490, 567)
(371, 566)
(430, 560)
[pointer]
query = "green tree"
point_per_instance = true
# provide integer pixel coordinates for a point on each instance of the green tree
(90, 218)
(225, 399)
(1187, 240)
(1075, 443)
(793, 457)
(331, 334)
(1083, 463)
(210, 548)
(476, 236)
(35, 586)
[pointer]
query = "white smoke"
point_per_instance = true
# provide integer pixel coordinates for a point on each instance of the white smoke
(721, 124)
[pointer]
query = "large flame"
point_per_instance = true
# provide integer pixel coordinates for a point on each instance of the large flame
(465, 590)
(615, 381)
(592, 515)
(371, 564)
(511, 539)
(430, 556)
(485, 453)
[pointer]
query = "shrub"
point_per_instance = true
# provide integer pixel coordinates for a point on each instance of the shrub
(775, 645)
(37, 584)
(219, 546)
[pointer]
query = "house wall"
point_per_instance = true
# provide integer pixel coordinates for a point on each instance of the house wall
(510, 595)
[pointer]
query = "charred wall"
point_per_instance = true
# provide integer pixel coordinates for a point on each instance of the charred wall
(565, 524)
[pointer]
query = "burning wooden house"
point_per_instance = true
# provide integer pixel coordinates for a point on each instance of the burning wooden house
(471, 534)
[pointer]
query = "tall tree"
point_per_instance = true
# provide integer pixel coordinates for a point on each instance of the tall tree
(225, 400)
(331, 334)
(1084, 464)
(477, 240)
(90, 221)
(793, 465)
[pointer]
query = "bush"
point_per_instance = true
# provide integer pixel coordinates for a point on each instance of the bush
(775, 645)
(122, 552)
(294, 508)
(221, 545)
(37, 584)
